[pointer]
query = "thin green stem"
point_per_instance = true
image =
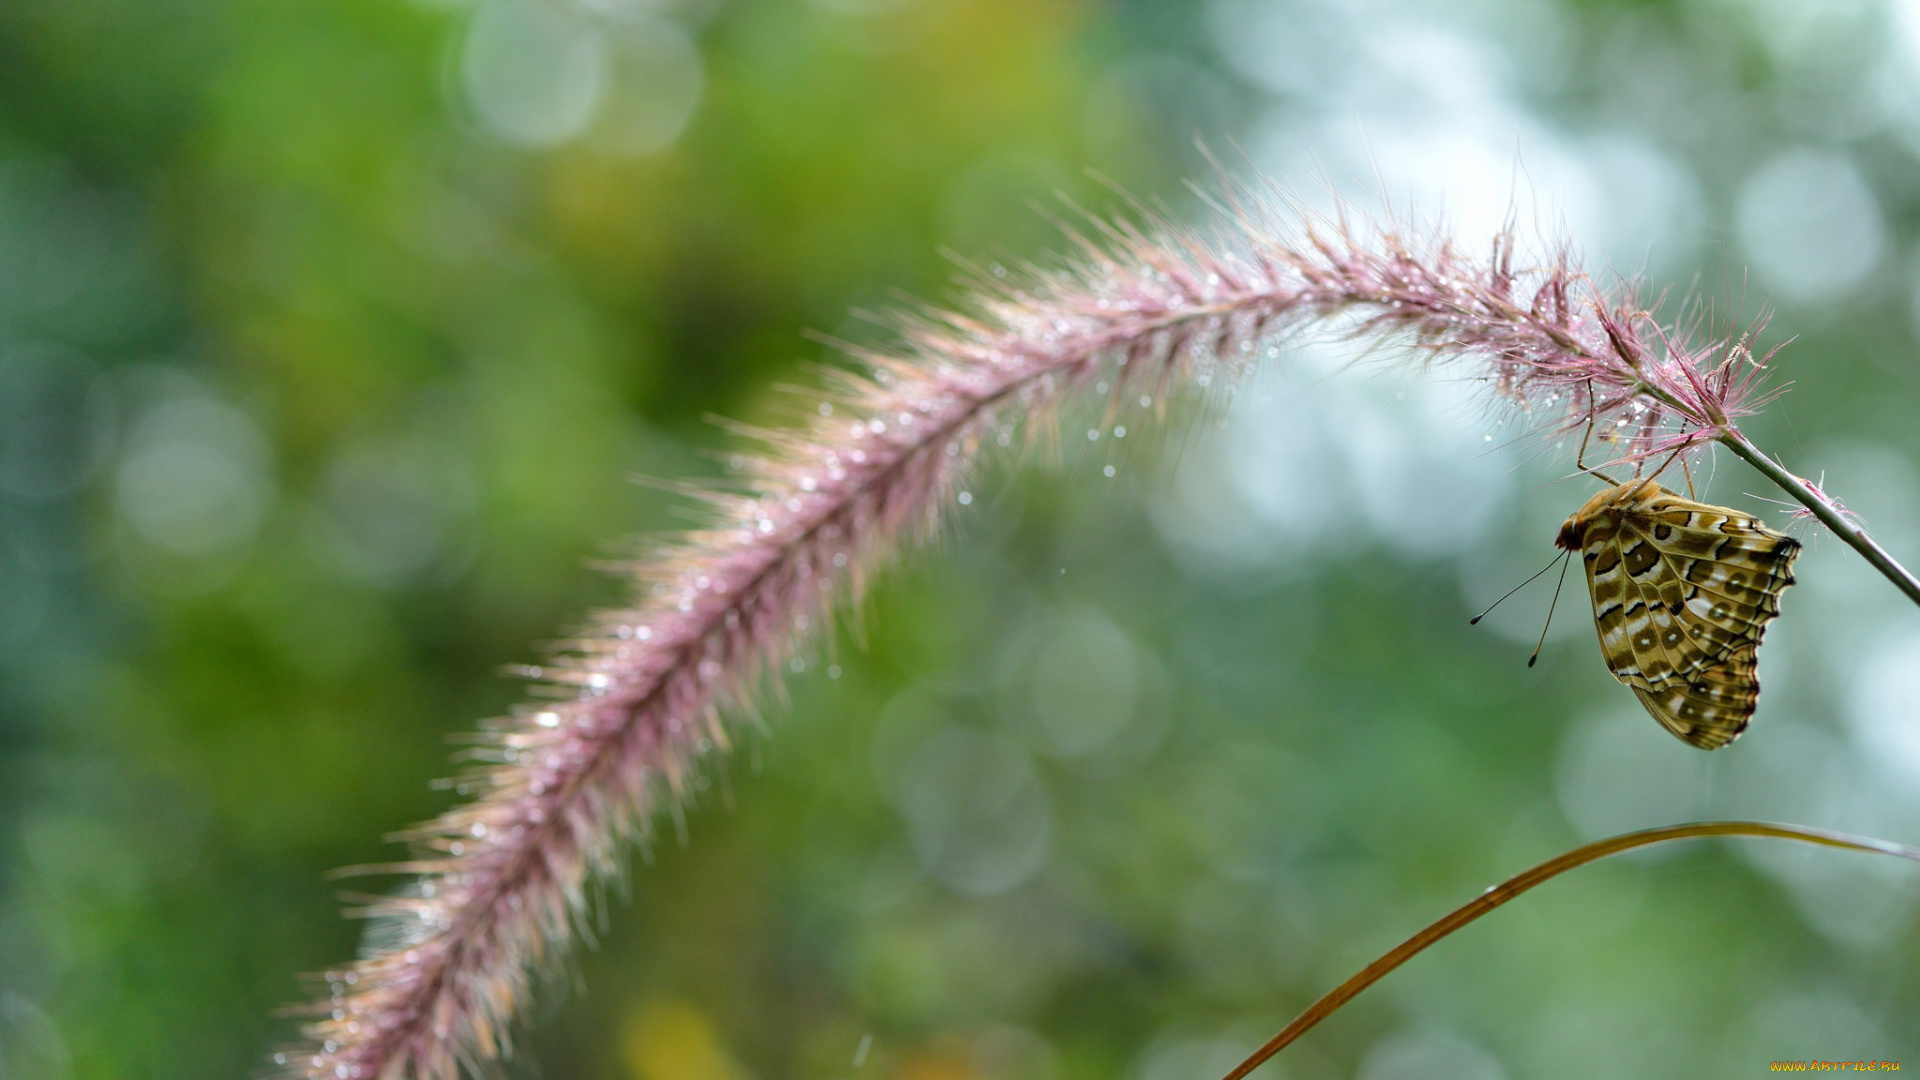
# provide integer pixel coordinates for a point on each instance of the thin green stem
(1832, 518)
(1546, 871)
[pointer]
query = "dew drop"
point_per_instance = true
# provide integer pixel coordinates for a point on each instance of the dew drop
(798, 665)
(548, 719)
(1100, 387)
(833, 671)
(840, 559)
(1093, 434)
(966, 498)
(826, 409)
(1120, 432)
(1110, 470)
(1145, 400)
(1005, 439)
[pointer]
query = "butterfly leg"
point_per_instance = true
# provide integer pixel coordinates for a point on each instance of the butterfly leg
(1580, 460)
(1667, 464)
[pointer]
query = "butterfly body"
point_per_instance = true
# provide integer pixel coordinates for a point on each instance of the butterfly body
(1682, 592)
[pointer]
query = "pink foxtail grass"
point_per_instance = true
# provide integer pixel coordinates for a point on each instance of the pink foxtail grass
(1143, 308)
(1521, 883)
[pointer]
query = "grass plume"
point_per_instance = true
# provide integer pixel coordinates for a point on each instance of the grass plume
(1142, 308)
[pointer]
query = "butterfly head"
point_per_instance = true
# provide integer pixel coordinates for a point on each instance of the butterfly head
(1571, 533)
(1607, 505)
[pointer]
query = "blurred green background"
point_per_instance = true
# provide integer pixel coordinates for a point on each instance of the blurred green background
(331, 333)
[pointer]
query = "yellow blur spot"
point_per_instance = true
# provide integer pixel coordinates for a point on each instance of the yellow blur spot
(667, 1039)
(933, 1064)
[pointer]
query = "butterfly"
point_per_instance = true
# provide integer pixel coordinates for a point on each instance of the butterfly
(1682, 592)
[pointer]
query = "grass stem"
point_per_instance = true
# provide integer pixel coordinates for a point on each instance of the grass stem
(1830, 516)
(1539, 875)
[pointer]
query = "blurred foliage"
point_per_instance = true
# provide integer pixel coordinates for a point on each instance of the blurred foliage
(329, 339)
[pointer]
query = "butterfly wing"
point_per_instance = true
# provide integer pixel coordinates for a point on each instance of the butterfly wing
(1728, 569)
(1682, 592)
(1713, 709)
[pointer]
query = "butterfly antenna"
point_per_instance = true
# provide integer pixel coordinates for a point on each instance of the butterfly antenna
(1565, 560)
(1476, 619)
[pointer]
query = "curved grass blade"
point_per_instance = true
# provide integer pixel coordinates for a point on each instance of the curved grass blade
(1547, 871)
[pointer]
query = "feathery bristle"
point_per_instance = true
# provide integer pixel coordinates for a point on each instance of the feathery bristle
(634, 702)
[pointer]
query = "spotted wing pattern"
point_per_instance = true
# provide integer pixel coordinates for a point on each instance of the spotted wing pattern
(1682, 592)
